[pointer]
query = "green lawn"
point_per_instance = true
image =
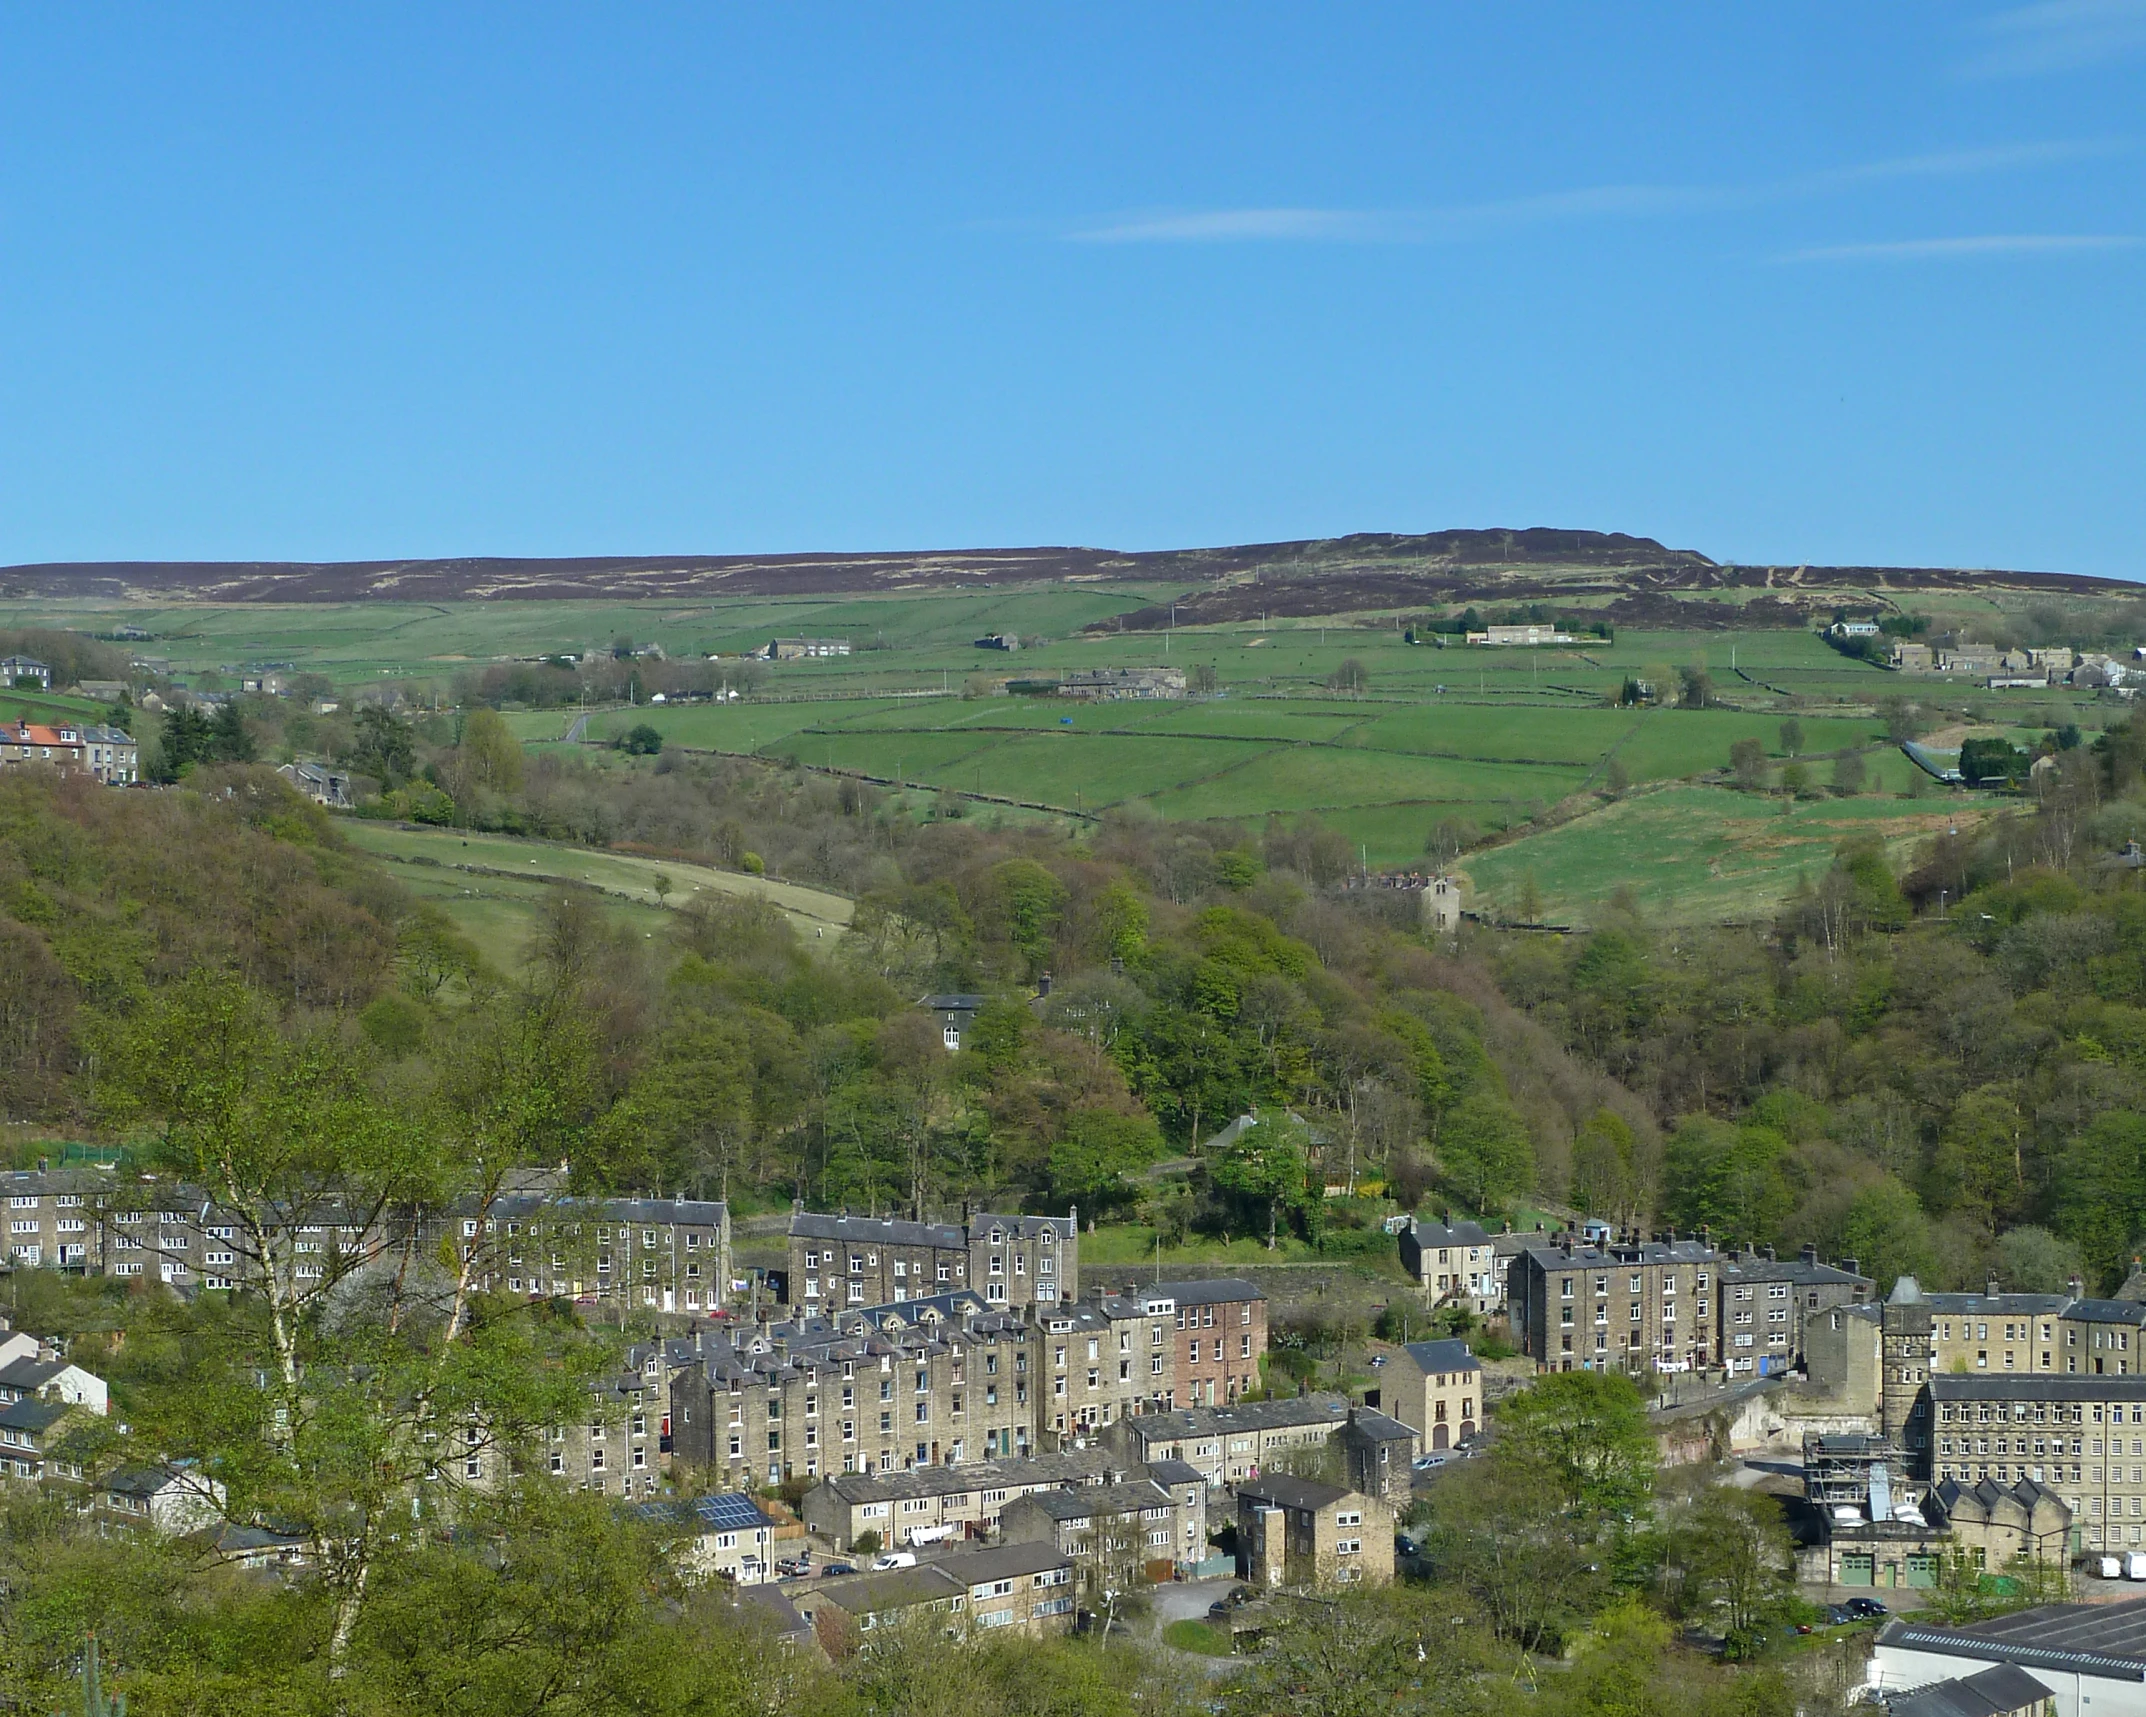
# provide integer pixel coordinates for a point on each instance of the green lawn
(1198, 1636)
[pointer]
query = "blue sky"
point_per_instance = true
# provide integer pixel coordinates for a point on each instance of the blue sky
(1844, 283)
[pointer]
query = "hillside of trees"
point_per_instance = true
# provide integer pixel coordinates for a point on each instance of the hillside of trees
(1934, 1067)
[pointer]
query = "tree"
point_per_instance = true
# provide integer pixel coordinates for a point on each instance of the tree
(1091, 1162)
(1791, 736)
(1527, 900)
(433, 951)
(229, 742)
(1484, 1149)
(382, 747)
(1735, 1551)
(1350, 676)
(1362, 1654)
(1731, 1179)
(1267, 1168)
(1695, 688)
(2034, 1261)
(1983, 760)
(1848, 774)
(641, 740)
(1202, 678)
(1796, 780)
(1887, 1233)
(332, 1423)
(1904, 720)
(489, 755)
(1584, 1435)
(1747, 757)
(1029, 900)
(1531, 1565)
(1980, 1164)
(1605, 1169)
(1616, 779)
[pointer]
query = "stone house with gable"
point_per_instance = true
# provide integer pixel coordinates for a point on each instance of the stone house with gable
(1300, 1534)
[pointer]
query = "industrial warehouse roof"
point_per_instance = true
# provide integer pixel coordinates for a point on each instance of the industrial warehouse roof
(2093, 1639)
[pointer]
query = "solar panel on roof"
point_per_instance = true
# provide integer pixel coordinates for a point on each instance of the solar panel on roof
(728, 1513)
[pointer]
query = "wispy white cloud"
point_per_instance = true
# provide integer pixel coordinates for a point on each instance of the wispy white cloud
(1962, 163)
(2058, 36)
(1983, 244)
(1588, 202)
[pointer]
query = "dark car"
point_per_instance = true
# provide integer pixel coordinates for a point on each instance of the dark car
(839, 1568)
(1865, 1609)
(1218, 1610)
(1839, 1613)
(1403, 1545)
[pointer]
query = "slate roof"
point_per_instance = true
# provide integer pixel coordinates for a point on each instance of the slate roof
(1071, 1466)
(2035, 1386)
(2105, 1312)
(1003, 1562)
(808, 1225)
(1183, 1422)
(1437, 1356)
(1286, 1492)
(1094, 1499)
(1175, 1473)
(1449, 1234)
(1210, 1291)
(1997, 1305)
(1379, 1427)
(897, 1588)
(33, 1416)
(1991, 1693)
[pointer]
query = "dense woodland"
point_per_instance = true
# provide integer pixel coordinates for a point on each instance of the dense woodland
(1935, 1068)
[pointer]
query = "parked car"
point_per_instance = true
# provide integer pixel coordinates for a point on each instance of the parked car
(1839, 1613)
(1424, 1463)
(1377, 1360)
(839, 1568)
(794, 1567)
(1218, 1611)
(1403, 1545)
(1865, 1609)
(893, 1559)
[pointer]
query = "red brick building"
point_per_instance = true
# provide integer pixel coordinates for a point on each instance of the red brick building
(1221, 1334)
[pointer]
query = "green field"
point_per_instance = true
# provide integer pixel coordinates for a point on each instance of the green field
(1490, 739)
(495, 886)
(1697, 854)
(1384, 769)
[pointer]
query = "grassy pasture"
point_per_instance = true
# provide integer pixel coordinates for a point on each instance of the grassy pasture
(1698, 854)
(494, 886)
(1487, 737)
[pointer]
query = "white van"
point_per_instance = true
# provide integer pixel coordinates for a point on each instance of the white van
(2112, 1568)
(2135, 1565)
(903, 1559)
